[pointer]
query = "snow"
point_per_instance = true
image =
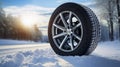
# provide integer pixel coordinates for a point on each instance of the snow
(11, 42)
(107, 54)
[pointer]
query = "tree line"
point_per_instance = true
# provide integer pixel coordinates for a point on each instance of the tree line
(12, 28)
(109, 11)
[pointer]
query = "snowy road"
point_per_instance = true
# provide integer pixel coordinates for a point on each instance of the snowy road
(107, 54)
(12, 49)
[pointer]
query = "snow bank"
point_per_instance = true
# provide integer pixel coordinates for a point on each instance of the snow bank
(107, 54)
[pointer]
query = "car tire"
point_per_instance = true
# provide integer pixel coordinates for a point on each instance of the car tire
(73, 30)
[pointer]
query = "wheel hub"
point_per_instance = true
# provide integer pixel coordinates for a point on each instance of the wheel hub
(69, 31)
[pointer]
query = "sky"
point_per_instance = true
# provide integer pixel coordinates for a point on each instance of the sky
(45, 3)
(37, 11)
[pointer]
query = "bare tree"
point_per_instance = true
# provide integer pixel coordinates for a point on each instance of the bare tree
(118, 12)
(3, 22)
(111, 32)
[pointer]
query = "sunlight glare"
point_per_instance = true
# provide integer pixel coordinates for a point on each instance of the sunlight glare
(28, 20)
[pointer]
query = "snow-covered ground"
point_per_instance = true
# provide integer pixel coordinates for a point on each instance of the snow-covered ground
(11, 42)
(107, 54)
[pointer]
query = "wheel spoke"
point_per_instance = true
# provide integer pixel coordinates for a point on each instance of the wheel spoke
(59, 35)
(63, 42)
(71, 42)
(70, 18)
(63, 20)
(76, 36)
(60, 27)
(79, 24)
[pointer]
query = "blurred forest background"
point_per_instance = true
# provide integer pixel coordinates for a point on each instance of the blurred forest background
(109, 17)
(108, 13)
(12, 28)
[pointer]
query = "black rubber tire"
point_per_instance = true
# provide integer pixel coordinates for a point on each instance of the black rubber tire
(91, 29)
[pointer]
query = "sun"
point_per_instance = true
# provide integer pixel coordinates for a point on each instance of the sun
(28, 20)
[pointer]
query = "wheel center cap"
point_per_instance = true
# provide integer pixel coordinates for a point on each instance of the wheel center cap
(69, 31)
